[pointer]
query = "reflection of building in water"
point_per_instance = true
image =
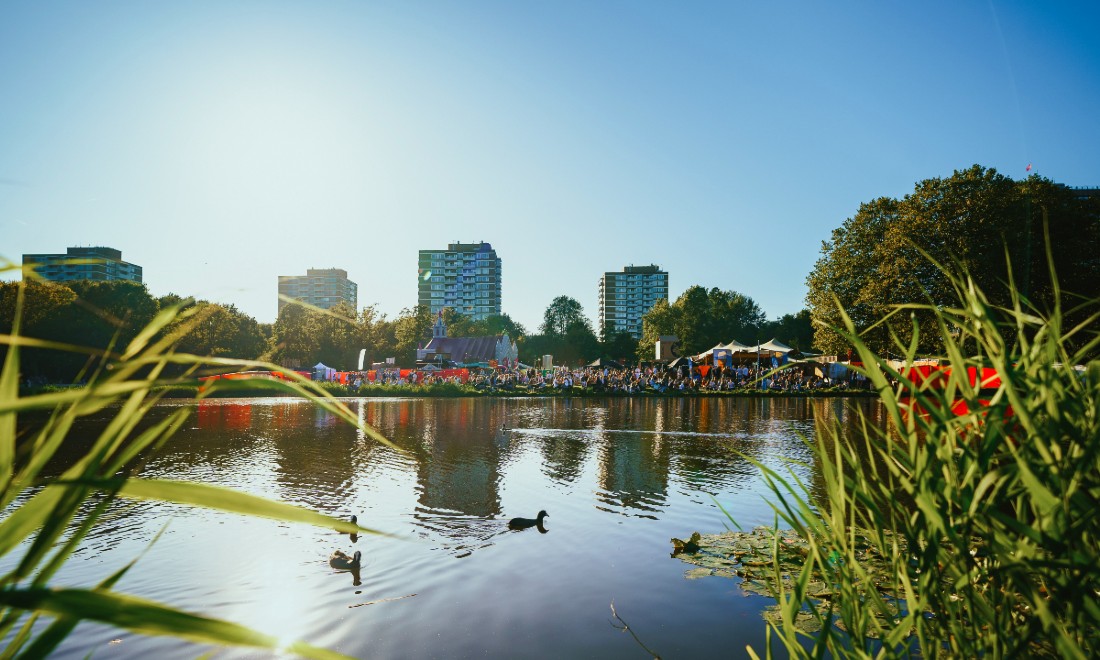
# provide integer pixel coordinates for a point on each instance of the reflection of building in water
(305, 439)
(634, 468)
(458, 473)
(459, 470)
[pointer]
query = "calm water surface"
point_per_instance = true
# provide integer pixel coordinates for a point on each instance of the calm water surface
(618, 477)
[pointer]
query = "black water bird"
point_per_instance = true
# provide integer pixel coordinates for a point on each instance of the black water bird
(353, 535)
(524, 523)
(343, 562)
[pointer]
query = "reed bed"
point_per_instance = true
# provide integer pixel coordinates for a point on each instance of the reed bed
(954, 532)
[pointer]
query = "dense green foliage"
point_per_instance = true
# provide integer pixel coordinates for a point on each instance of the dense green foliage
(966, 532)
(562, 313)
(98, 315)
(566, 333)
(981, 220)
(701, 319)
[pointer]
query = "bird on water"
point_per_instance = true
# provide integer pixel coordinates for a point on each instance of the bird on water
(524, 523)
(351, 519)
(353, 535)
(343, 562)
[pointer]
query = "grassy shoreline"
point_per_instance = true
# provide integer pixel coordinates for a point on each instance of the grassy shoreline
(451, 390)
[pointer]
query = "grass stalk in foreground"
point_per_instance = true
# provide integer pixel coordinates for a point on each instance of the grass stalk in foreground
(970, 533)
(48, 522)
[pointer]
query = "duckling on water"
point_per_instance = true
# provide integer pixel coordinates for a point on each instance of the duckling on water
(343, 562)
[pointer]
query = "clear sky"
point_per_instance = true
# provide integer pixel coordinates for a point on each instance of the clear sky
(222, 144)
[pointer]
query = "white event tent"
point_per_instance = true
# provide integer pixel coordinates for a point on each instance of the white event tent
(736, 348)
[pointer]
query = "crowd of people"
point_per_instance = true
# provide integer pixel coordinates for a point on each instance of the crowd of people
(626, 380)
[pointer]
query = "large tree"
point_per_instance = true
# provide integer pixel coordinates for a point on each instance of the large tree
(292, 341)
(701, 319)
(794, 330)
(89, 313)
(113, 311)
(566, 333)
(222, 331)
(619, 346)
(562, 312)
(497, 324)
(377, 334)
(336, 336)
(49, 313)
(412, 328)
(977, 221)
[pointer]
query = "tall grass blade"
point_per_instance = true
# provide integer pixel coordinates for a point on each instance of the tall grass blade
(215, 497)
(148, 618)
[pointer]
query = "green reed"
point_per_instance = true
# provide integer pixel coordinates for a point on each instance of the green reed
(45, 518)
(962, 534)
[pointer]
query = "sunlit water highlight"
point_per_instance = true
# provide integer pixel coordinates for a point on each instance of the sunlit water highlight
(618, 477)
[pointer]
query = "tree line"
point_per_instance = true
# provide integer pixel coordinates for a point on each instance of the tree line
(107, 315)
(889, 254)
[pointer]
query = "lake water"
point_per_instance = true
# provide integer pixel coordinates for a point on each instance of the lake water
(618, 478)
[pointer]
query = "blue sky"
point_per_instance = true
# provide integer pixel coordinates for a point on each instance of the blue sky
(221, 144)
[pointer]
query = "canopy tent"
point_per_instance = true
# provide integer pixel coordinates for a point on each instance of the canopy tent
(706, 355)
(736, 348)
(610, 364)
(321, 371)
(775, 345)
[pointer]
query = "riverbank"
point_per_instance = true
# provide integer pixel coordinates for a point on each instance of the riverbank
(457, 390)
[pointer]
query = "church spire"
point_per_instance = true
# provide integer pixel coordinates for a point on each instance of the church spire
(439, 330)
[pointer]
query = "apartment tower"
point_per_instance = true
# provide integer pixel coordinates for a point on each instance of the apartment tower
(83, 263)
(626, 296)
(320, 287)
(464, 277)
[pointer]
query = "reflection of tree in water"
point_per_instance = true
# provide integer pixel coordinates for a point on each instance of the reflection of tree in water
(219, 442)
(634, 472)
(848, 413)
(211, 447)
(563, 456)
(730, 431)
